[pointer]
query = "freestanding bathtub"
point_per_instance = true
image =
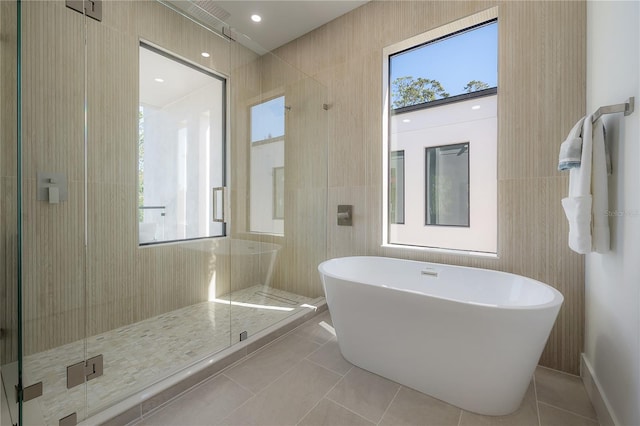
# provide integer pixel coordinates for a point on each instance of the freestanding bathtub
(470, 337)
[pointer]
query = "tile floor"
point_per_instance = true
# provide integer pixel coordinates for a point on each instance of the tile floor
(136, 355)
(301, 379)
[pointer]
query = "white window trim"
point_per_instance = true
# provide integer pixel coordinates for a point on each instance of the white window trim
(388, 51)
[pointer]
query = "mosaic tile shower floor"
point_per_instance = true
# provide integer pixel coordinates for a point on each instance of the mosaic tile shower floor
(139, 354)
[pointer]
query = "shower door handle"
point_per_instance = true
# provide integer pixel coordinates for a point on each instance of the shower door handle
(218, 204)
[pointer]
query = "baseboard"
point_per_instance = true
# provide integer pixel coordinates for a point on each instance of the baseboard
(599, 400)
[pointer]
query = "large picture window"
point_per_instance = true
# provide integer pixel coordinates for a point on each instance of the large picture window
(441, 97)
(181, 148)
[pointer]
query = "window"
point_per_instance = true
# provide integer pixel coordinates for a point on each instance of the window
(440, 140)
(266, 183)
(447, 185)
(396, 187)
(181, 148)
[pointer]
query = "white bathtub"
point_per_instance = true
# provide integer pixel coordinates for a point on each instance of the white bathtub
(470, 337)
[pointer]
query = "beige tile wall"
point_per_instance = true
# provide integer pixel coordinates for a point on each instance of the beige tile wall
(542, 55)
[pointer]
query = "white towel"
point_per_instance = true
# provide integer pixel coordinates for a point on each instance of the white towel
(571, 148)
(586, 205)
(578, 204)
(599, 171)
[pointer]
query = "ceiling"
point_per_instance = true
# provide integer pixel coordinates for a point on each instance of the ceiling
(282, 21)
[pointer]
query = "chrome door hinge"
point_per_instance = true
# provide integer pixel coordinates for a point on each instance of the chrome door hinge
(28, 393)
(70, 420)
(92, 8)
(84, 370)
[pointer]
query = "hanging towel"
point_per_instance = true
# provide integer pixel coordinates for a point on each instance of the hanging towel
(571, 148)
(587, 203)
(600, 169)
(577, 205)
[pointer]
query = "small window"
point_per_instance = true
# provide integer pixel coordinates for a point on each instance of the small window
(447, 185)
(441, 98)
(181, 148)
(267, 171)
(396, 187)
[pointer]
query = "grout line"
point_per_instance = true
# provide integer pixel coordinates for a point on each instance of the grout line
(389, 405)
(323, 397)
(327, 368)
(557, 371)
(570, 412)
(535, 394)
(345, 407)
(261, 390)
(239, 384)
(460, 418)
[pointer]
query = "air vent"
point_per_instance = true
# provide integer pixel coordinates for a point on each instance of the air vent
(213, 9)
(204, 12)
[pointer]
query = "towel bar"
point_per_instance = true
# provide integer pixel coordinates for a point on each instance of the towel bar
(626, 107)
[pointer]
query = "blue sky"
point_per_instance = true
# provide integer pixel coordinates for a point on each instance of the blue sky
(454, 61)
(267, 119)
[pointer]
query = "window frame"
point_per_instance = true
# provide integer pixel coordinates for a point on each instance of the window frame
(444, 31)
(142, 43)
(426, 185)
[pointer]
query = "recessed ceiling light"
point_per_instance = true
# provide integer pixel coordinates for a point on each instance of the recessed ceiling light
(406, 120)
(205, 54)
(159, 80)
(256, 18)
(475, 107)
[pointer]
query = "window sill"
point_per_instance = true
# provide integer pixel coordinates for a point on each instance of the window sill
(439, 250)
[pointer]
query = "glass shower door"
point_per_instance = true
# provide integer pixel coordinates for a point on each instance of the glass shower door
(279, 181)
(157, 253)
(52, 97)
(9, 235)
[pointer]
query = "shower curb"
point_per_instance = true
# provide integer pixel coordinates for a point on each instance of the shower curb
(142, 403)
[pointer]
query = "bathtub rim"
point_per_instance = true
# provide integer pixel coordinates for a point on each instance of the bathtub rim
(557, 299)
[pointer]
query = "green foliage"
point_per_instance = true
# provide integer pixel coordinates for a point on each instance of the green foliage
(475, 85)
(407, 91)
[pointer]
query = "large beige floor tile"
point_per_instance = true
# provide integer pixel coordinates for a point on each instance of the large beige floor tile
(411, 407)
(552, 416)
(288, 399)
(526, 415)
(328, 413)
(206, 404)
(268, 364)
(365, 393)
(329, 356)
(563, 391)
(313, 331)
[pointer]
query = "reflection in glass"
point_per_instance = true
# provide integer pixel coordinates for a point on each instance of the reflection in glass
(180, 148)
(266, 186)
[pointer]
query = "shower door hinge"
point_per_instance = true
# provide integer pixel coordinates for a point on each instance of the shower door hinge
(70, 420)
(28, 393)
(243, 336)
(84, 370)
(92, 8)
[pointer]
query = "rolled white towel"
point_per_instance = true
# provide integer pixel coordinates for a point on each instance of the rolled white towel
(571, 148)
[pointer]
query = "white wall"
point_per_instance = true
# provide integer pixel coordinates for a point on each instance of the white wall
(612, 317)
(445, 125)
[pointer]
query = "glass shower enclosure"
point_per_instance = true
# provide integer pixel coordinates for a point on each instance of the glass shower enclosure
(163, 198)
